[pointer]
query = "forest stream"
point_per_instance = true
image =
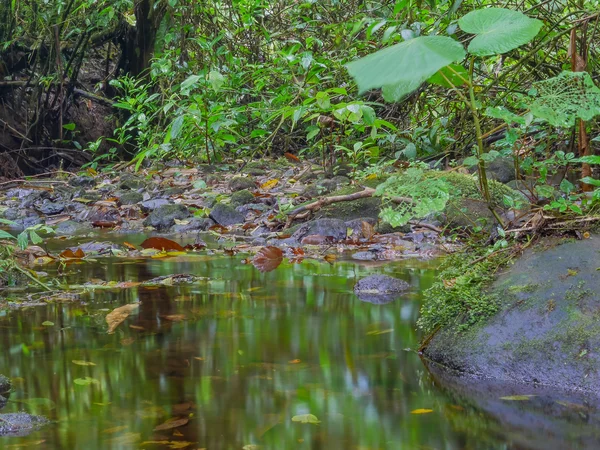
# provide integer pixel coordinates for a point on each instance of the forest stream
(241, 359)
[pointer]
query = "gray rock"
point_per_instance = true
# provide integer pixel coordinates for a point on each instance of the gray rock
(226, 215)
(547, 331)
(241, 198)
(82, 181)
(240, 183)
(500, 169)
(325, 227)
(70, 228)
(469, 213)
(380, 289)
(195, 224)
(130, 198)
(129, 181)
(252, 206)
(151, 205)
(12, 214)
(51, 208)
(163, 217)
(20, 424)
(356, 225)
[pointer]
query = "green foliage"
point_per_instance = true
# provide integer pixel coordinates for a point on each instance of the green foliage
(426, 196)
(460, 294)
(402, 68)
(498, 30)
(562, 99)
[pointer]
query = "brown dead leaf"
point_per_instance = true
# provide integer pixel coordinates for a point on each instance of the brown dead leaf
(70, 254)
(129, 246)
(175, 422)
(367, 230)
(330, 258)
(118, 315)
(161, 243)
(291, 157)
(268, 259)
(174, 317)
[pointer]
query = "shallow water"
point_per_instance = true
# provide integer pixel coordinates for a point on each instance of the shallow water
(237, 355)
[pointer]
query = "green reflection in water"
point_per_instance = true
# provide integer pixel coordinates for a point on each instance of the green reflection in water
(239, 354)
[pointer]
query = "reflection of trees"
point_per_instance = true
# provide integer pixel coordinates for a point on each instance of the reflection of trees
(231, 357)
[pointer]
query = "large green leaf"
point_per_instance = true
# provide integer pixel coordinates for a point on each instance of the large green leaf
(562, 99)
(498, 30)
(401, 68)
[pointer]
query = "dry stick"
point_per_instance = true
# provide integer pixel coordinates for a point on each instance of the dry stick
(366, 193)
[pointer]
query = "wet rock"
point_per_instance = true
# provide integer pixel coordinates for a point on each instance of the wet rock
(240, 183)
(365, 256)
(82, 181)
(151, 205)
(163, 217)
(31, 219)
(195, 224)
(130, 198)
(20, 424)
(385, 228)
(547, 330)
(226, 215)
(245, 209)
(325, 227)
(5, 387)
(380, 289)
(99, 214)
(51, 208)
(129, 181)
(70, 228)
(500, 169)
(12, 214)
(241, 198)
(316, 239)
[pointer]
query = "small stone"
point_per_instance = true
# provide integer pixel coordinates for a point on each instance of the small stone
(240, 183)
(82, 181)
(195, 224)
(241, 198)
(380, 289)
(70, 227)
(151, 205)
(226, 215)
(163, 217)
(325, 227)
(51, 208)
(130, 198)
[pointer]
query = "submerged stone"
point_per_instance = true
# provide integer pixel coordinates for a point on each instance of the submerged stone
(380, 289)
(20, 424)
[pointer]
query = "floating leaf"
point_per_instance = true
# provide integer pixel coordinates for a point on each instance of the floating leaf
(421, 411)
(70, 254)
(306, 418)
(83, 363)
(268, 259)
(519, 398)
(47, 323)
(172, 423)
(161, 243)
(117, 316)
(85, 381)
(401, 68)
(498, 30)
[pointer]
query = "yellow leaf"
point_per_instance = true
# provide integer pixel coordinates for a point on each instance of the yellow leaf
(83, 363)
(117, 316)
(267, 186)
(421, 411)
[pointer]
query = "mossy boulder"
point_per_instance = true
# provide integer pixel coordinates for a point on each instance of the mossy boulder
(130, 198)
(369, 207)
(163, 217)
(467, 186)
(226, 215)
(469, 213)
(547, 329)
(241, 183)
(241, 198)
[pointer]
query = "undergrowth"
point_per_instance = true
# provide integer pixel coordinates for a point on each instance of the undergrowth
(460, 296)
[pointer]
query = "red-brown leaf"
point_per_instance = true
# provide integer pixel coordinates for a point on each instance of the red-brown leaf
(268, 259)
(160, 243)
(70, 254)
(291, 157)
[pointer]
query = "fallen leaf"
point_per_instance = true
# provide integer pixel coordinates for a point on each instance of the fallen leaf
(83, 363)
(86, 381)
(367, 230)
(268, 259)
(330, 258)
(172, 423)
(267, 186)
(118, 315)
(174, 317)
(47, 323)
(421, 411)
(306, 418)
(520, 398)
(70, 254)
(129, 246)
(161, 243)
(294, 361)
(291, 157)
